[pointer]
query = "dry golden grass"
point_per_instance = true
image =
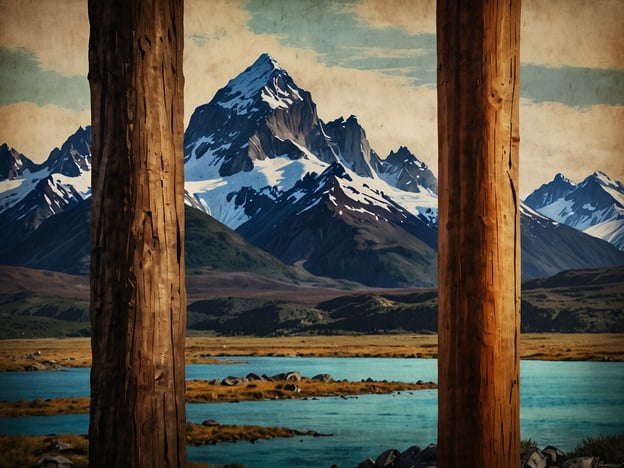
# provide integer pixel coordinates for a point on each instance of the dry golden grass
(39, 407)
(199, 391)
(76, 352)
(197, 434)
(26, 450)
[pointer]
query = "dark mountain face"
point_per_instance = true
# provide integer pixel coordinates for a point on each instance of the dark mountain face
(73, 157)
(403, 170)
(353, 147)
(334, 228)
(62, 242)
(49, 197)
(549, 247)
(13, 164)
(546, 194)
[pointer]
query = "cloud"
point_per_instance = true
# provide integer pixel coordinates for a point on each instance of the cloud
(35, 130)
(23, 79)
(573, 86)
(555, 33)
(575, 33)
(415, 16)
(342, 38)
(56, 31)
(574, 141)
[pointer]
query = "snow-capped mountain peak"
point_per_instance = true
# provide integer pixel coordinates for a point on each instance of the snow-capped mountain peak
(41, 190)
(259, 114)
(595, 206)
(549, 193)
(265, 79)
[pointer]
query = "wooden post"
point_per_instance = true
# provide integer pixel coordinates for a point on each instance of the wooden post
(138, 297)
(479, 233)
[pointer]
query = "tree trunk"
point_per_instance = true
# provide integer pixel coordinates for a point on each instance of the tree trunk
(138, 297)
(479, 233)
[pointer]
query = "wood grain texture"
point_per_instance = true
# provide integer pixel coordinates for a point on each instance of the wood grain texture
(138, 297)
(479, 233)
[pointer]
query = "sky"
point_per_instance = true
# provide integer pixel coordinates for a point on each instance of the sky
(371, 58)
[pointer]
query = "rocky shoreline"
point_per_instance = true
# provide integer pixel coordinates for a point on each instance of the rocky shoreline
(530, 457)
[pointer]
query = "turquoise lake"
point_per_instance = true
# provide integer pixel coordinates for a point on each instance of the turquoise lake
(561, 403)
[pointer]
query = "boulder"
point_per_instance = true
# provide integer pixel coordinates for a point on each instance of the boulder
(532, 457)
(294, 376)
(554, 456)
(54, 461)
(210, 422)
(232, 381)
(409, 457)
(387, 459)
(323, 378)
(35, 366)
(253, 377)
(60, 446)
(429, 455)
(291, 387)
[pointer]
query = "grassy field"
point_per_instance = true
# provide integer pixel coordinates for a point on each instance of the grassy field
(50, 353)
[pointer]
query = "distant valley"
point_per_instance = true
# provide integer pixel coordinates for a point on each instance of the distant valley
(36, 303)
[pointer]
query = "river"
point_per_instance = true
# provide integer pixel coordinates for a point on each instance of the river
(561, 403)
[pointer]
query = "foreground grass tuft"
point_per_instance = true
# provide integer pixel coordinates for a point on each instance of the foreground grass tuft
(609, 448)
(26, 450)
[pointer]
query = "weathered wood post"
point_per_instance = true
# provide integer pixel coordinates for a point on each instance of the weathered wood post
(479, 233)
(138, 297)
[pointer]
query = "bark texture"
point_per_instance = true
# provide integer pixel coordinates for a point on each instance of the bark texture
(138, 297)
(479, 233)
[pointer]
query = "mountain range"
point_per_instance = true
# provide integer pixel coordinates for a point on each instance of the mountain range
(312, 195)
